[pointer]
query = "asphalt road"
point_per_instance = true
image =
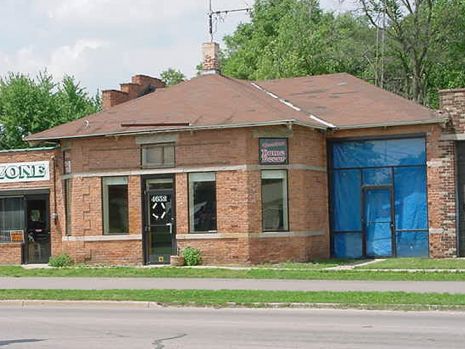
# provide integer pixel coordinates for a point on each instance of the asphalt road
(237, 284)
(92, 326)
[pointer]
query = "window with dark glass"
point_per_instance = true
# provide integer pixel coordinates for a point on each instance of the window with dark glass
(67, 162)
(158, 155)
(68, 200)
(115, 205)
(11, 217)
(202, 202)
(274, 200)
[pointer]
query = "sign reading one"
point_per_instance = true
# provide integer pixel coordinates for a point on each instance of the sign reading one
(24, 172)
(273, 151)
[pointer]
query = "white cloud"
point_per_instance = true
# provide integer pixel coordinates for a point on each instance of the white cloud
(23, 60)
(73, 59)
(102, 12)
(104, 42)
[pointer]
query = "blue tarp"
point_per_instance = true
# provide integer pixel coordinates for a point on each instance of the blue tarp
(358, 164)
(347, 245)
(410, 198)
(378, 222)
(412, 244)
(378, 153)
(377, 176)
(346, 201)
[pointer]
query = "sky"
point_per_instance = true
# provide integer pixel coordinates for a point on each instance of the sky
(104, 42)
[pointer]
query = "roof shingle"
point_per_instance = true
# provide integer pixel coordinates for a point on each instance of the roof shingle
(211, 101)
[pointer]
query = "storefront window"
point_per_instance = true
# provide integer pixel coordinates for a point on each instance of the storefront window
(115, 205)
(202, 202)
(372, 177)
(274, 200)
(11, 217)
(158, 155)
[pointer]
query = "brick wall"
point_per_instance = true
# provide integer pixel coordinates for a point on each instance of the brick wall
(240, 238)
(442, 193)
(294, 248)
(10, 253)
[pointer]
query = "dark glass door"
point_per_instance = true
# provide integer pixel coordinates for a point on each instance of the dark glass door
(160, 225)
(378, 222)
(461, 198)
(37, 242)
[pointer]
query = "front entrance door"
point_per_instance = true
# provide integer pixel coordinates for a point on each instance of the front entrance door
(378, 222)
(37, 242)
(160, 224)
(461, 196)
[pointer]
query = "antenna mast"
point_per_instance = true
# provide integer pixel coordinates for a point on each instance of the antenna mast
(214, 15)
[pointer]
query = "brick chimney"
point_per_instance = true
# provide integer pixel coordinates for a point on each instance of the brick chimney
(210, 58)
(140, 85)
(452, 103)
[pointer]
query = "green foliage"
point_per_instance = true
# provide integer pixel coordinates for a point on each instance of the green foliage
(447, 59)
(60, 261)
(30, 105)
(172, 77)
(422, 52)
(191, 256)
(294, 38)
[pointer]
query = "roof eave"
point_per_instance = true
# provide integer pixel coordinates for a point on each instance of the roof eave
(181, 129)
(394, 123)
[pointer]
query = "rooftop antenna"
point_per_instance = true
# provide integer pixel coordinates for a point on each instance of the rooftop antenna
(215, 15)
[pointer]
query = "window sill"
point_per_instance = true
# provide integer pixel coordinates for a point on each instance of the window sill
(10, 243)
(113, 237)
(204, 232)
(278, 234)
(151, 167)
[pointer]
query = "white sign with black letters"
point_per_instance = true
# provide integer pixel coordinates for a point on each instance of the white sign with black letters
(25, 172)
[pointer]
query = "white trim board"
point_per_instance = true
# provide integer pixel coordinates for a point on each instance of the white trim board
(141, 172)
(264, 235)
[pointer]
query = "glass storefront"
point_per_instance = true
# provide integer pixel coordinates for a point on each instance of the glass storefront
(378, 198)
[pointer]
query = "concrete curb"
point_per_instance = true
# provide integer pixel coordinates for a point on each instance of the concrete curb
(155, 305)
(43, 302)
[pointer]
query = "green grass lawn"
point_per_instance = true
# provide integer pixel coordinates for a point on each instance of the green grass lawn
(417, 263)
(316, 264)
(376, 300)
(255, 273)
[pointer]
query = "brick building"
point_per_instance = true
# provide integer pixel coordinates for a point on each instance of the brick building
(248, 172)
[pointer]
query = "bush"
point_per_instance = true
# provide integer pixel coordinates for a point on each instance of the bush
(60, 261)
(191, 256)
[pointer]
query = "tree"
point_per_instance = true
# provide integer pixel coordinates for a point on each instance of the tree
(410, 26)
(30, 105)
(410, 47)
(295, 37)
(172, 77)
(447, 59)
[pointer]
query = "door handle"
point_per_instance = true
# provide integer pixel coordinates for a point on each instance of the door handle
(171, 227)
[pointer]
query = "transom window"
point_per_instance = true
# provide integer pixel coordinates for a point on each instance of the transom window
(158, 155)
